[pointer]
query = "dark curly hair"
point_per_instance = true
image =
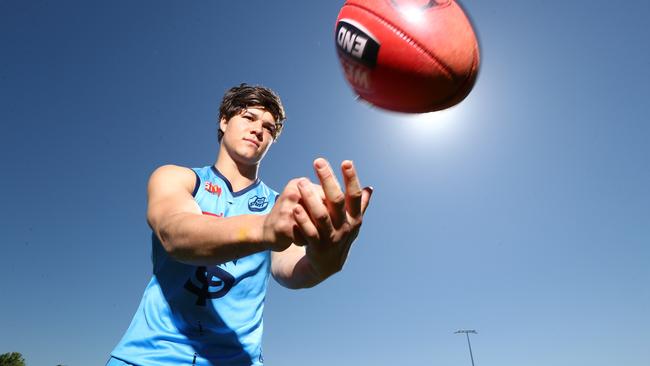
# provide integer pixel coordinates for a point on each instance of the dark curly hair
(240, 97)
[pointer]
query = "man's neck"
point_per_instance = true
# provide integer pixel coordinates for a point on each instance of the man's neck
(239, 175)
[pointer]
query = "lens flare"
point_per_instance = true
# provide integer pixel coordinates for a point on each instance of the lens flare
(423, 127)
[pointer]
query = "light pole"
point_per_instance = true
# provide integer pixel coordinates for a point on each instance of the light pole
(467, 332)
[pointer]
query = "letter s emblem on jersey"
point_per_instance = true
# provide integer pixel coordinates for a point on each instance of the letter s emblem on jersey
(214, 283)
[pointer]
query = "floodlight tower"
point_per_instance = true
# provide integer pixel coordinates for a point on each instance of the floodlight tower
(467, 332)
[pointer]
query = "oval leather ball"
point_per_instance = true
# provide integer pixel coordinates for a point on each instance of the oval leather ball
(410, 56)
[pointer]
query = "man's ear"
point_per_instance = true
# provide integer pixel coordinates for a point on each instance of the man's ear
(223, 124)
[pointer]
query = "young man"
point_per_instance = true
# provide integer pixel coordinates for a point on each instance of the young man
(219, 232)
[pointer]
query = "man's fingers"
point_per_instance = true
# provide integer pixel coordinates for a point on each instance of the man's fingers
(307, 230)
(352, 189)
(299, 238)
(334, 196)
(291, 191)
(365, 198)
(319, 191)
(315, 208)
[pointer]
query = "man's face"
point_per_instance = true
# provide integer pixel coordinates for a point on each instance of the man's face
(248, 135)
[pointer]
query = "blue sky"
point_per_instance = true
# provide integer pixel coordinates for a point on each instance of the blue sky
(522, 213)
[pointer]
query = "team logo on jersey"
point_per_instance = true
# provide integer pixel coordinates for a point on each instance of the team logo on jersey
(213, 188)
(214, 282)
(258, 204)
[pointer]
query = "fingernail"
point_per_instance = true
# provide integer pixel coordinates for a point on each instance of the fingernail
(319, 163)
(347, 164)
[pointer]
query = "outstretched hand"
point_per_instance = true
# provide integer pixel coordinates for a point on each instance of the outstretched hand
(329, 225)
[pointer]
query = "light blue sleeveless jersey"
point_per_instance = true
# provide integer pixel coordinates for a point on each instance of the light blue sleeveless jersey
(212, 315)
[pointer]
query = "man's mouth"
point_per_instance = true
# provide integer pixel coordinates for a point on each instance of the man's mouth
(256, 143)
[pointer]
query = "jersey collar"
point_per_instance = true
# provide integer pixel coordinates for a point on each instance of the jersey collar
(238, 193)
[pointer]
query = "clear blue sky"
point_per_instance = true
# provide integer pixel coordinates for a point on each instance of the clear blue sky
(523, 213)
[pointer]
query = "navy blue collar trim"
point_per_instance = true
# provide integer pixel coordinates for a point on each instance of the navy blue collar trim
(239, 193)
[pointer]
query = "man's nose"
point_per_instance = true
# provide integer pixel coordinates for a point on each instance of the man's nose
(258, 130)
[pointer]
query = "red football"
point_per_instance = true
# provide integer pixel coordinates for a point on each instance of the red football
(410, 56)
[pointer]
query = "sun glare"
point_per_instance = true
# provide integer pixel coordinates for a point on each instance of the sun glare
(412, 14)
(434, 125)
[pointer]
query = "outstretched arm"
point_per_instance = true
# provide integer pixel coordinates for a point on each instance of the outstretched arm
(193, 238)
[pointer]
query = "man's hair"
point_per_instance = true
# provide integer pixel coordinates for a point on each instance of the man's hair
(240, 97)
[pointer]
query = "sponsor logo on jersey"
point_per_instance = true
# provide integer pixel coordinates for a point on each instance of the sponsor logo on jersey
(213, 283)
(258, 204)
(213, 188)
(354, 41)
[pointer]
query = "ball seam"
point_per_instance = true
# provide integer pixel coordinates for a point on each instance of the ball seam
(402, 34)
(463, 85)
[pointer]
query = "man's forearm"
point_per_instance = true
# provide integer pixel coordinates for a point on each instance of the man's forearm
(293, 270)
(203, 240)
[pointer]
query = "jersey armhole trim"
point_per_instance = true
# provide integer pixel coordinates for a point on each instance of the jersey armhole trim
(197, 184)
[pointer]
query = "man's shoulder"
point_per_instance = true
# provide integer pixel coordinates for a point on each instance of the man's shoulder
(171, 169)
(169, 175)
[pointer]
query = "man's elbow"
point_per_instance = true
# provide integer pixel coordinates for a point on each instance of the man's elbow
(166, 240)
(174, 245)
